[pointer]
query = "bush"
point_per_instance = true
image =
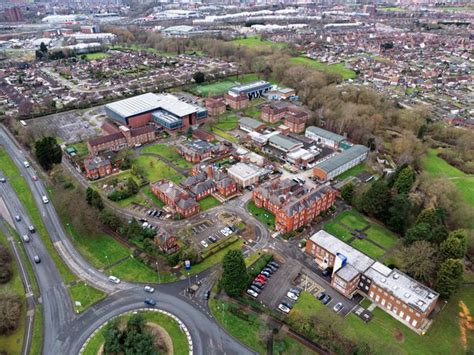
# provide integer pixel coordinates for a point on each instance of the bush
(5, 265)
(221, 244)
(10, 312)
(254, 269)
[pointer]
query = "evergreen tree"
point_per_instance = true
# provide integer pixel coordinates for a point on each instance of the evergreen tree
(132, 186)
(449, 277)
(405, 180)
(199, 77)
(399, 213)
(347, 192)
(455, 246)
(48, 152)
(234, 277)
(376, 200)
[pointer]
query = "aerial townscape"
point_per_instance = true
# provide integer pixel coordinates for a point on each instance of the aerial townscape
(239, 177)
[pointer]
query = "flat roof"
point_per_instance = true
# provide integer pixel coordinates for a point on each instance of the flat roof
(245, 171)
(325, 134)
(255, 85)
(340, 159)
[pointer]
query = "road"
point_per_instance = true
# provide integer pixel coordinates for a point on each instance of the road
(65, 331)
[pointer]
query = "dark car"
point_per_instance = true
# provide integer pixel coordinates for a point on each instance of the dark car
(255, 288)
(273, 268)
(327, 272)
(258, 284)
(150, 302)
(326, 299)
(266, 274)
(287, 304)
(296, 291)
(142, 220)
(206, 295)
(275, 264)
(267, 269)
(321, 296)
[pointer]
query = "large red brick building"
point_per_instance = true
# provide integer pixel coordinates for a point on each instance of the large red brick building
(294, 117)
(237, 102)
(96, 167)
(274, 112)
(176, 197)
(124, 138)
(404, 298)
(294, 205)
(215, 106)
(296, 121)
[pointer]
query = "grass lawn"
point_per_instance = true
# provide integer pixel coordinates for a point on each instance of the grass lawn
(86, 295)
(147, 191)
(224, 135)
(222, 86)
(253, 112)
(256, 41)
(122, 176)
(353, 219)
(337, 230)
(180, 342)
(135, 271)
(167, 152)
(21, 187)
(37, 338)
(155, 169)
(245, 331)
(352, 171)
(262, 214)
(208, 202)
(368, 248)
(382, 236)
(137, 198)
(289, 345)
(438, 167)
(226, 122)
(339, 68)
(96, 56)
(81, 148)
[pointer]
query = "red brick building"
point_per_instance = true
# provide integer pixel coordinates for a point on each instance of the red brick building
(97, 167)
(293, 204)
(166, 242)
(224, 185)
(195, 151)
(215, 106)
(237, 102)
(203, 135)
(296, 121)
(124, 138)
(274, 112)
(175, 197)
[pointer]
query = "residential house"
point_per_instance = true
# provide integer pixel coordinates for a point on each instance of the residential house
(175, 197)
(96, 167)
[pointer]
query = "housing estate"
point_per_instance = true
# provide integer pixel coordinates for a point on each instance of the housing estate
(404, 298)
(293, 204)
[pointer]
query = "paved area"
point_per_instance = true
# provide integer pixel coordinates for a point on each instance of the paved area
(278, 284)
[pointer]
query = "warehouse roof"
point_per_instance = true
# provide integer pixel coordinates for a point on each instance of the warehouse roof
(346, 156)
(325, 134)
(284, 142)
(249, 87)
(250, 122)
(148, 102)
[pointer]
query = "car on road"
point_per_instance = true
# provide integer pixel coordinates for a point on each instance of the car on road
(114, 279)
(25, 238)
(252, 293)
(17, 218)
(26, 164)
(206, 295)
(45, 199)
(338, 307)
(37, 259)
(292, 296)
(2, 179)
(150, 302)
(148, 289)
(326, 299)
(31, 229)
(204, 243)
(284, 308)
(34, 178)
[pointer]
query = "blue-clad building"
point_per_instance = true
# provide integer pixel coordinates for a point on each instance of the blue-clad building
(253, 90)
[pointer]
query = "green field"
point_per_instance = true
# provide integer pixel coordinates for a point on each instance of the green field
(256, 41)
(262, 214)
(155, 169)
(224, 135)
(96, 56)
(85, 294)
(168, 152)
(226, 122)
(437, 167)
(339, 68)
(253, 112)
(81, 148)
(368, 248)
(355, 170)
(147, 191)
(222, 86)
(388, 336)
(208, 202)
(180, 342)
(20, 185)
(134, 270)
(137, 198)
(122, 176)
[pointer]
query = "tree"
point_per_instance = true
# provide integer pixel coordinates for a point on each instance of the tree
(399, 213)
(132, 186)
(455, 246)
(10, 312)
(420, 231)
(375, 200)
(234, 277)
(48, 152)
(405, 180)
(94, 199)
(43, 48)
(112, 337)
(419, 261)
(199, 77)
(347, 192)
(449, 277)
(5, 265)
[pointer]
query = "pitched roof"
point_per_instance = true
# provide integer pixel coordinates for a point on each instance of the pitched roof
(346, 156)
(105, 139)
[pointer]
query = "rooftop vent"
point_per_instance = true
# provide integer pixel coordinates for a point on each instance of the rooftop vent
(396, 275)
(420, 303)
(395, 287)
(431, 295)
(407, 295)
(383, 280)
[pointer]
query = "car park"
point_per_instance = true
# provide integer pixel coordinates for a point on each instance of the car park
(204, 243)
(338, 307)
(258, 284)
(292, 296)
(37, 259)
(25, 238)
(284, 308)
(326, 299)
(17, 218)
(114, 279)
(155, 213)
(252, 293)
(150, 302)
(148, 289)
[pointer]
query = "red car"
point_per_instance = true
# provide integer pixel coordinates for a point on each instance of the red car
(261, 276)
(35, 178)
(259, 279)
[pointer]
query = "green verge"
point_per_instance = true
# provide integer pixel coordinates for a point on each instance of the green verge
(86, 295)
(224, 135)
(20, 185)
(382, 236)
(134, 270)
(180, 341)
(264, 216)
(226, 122)
(288, 345)
(208, 202)
(37, 338)
(167, 152)
(147, 191)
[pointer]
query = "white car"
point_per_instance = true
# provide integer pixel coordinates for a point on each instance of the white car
(148, 289)
(292, 296)
(26, 164)
(284, 308)
(114, 279)
(252, 293)
(204, 243)
(338, 307)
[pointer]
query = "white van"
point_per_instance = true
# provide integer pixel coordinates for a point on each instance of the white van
(45, 199)
(26, 239)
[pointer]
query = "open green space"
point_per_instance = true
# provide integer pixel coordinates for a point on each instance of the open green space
(19, 184)
(155, 169)
(352, 171)
(137, 198)
(81, 148)
(147, 191)
(368, 248)
(226, 122)
(352, 219)
(338, 68)
(208, 202)
(134, 270)
(288, 345)
(97, 56)
(168, 152)
(13, 342)
(256, 41)
(261, 214)
(337, 230)
(382, 236)
(222, 86)
(85, 295)
(224, 135)
(37, 338)
(180, 341)
(246, 330)
(438, 167)
(253, 112)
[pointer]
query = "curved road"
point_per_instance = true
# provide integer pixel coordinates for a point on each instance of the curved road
(64, 331)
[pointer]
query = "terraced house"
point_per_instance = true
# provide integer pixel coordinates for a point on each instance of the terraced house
(293, 204)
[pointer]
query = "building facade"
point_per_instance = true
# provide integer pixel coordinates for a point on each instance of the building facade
(215, 106)
(324, 137)
(124, 138)
(175, 197)
(96, 167)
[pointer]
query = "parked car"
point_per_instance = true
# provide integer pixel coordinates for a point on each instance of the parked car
(321, 296)
(37, 259)
(255, 288)
(338, 307)
(284, 308)
(262, 276)
(150, 302)
(17, 218)
(267, 269)
(252, 293)
(296, 291)
(273, 268)
(206, 295)
(204, 244)
(292, 296)
(114, 279)
(212, 239)
(25, 238)
(149, 212)
(327, 272)
(262, 281)
(142, 219)
(275, 264)
(326, 299)
(265, 273)
(258, 284)
(287, 304)
(148, 289)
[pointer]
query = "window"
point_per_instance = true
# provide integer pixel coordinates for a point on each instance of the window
(402, 314)
(389, 306)
(383, 302)
(414, 323)
(408, 318)
(372, 295)
(377, 298)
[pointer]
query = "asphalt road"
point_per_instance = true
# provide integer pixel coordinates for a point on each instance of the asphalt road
(65, 332)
